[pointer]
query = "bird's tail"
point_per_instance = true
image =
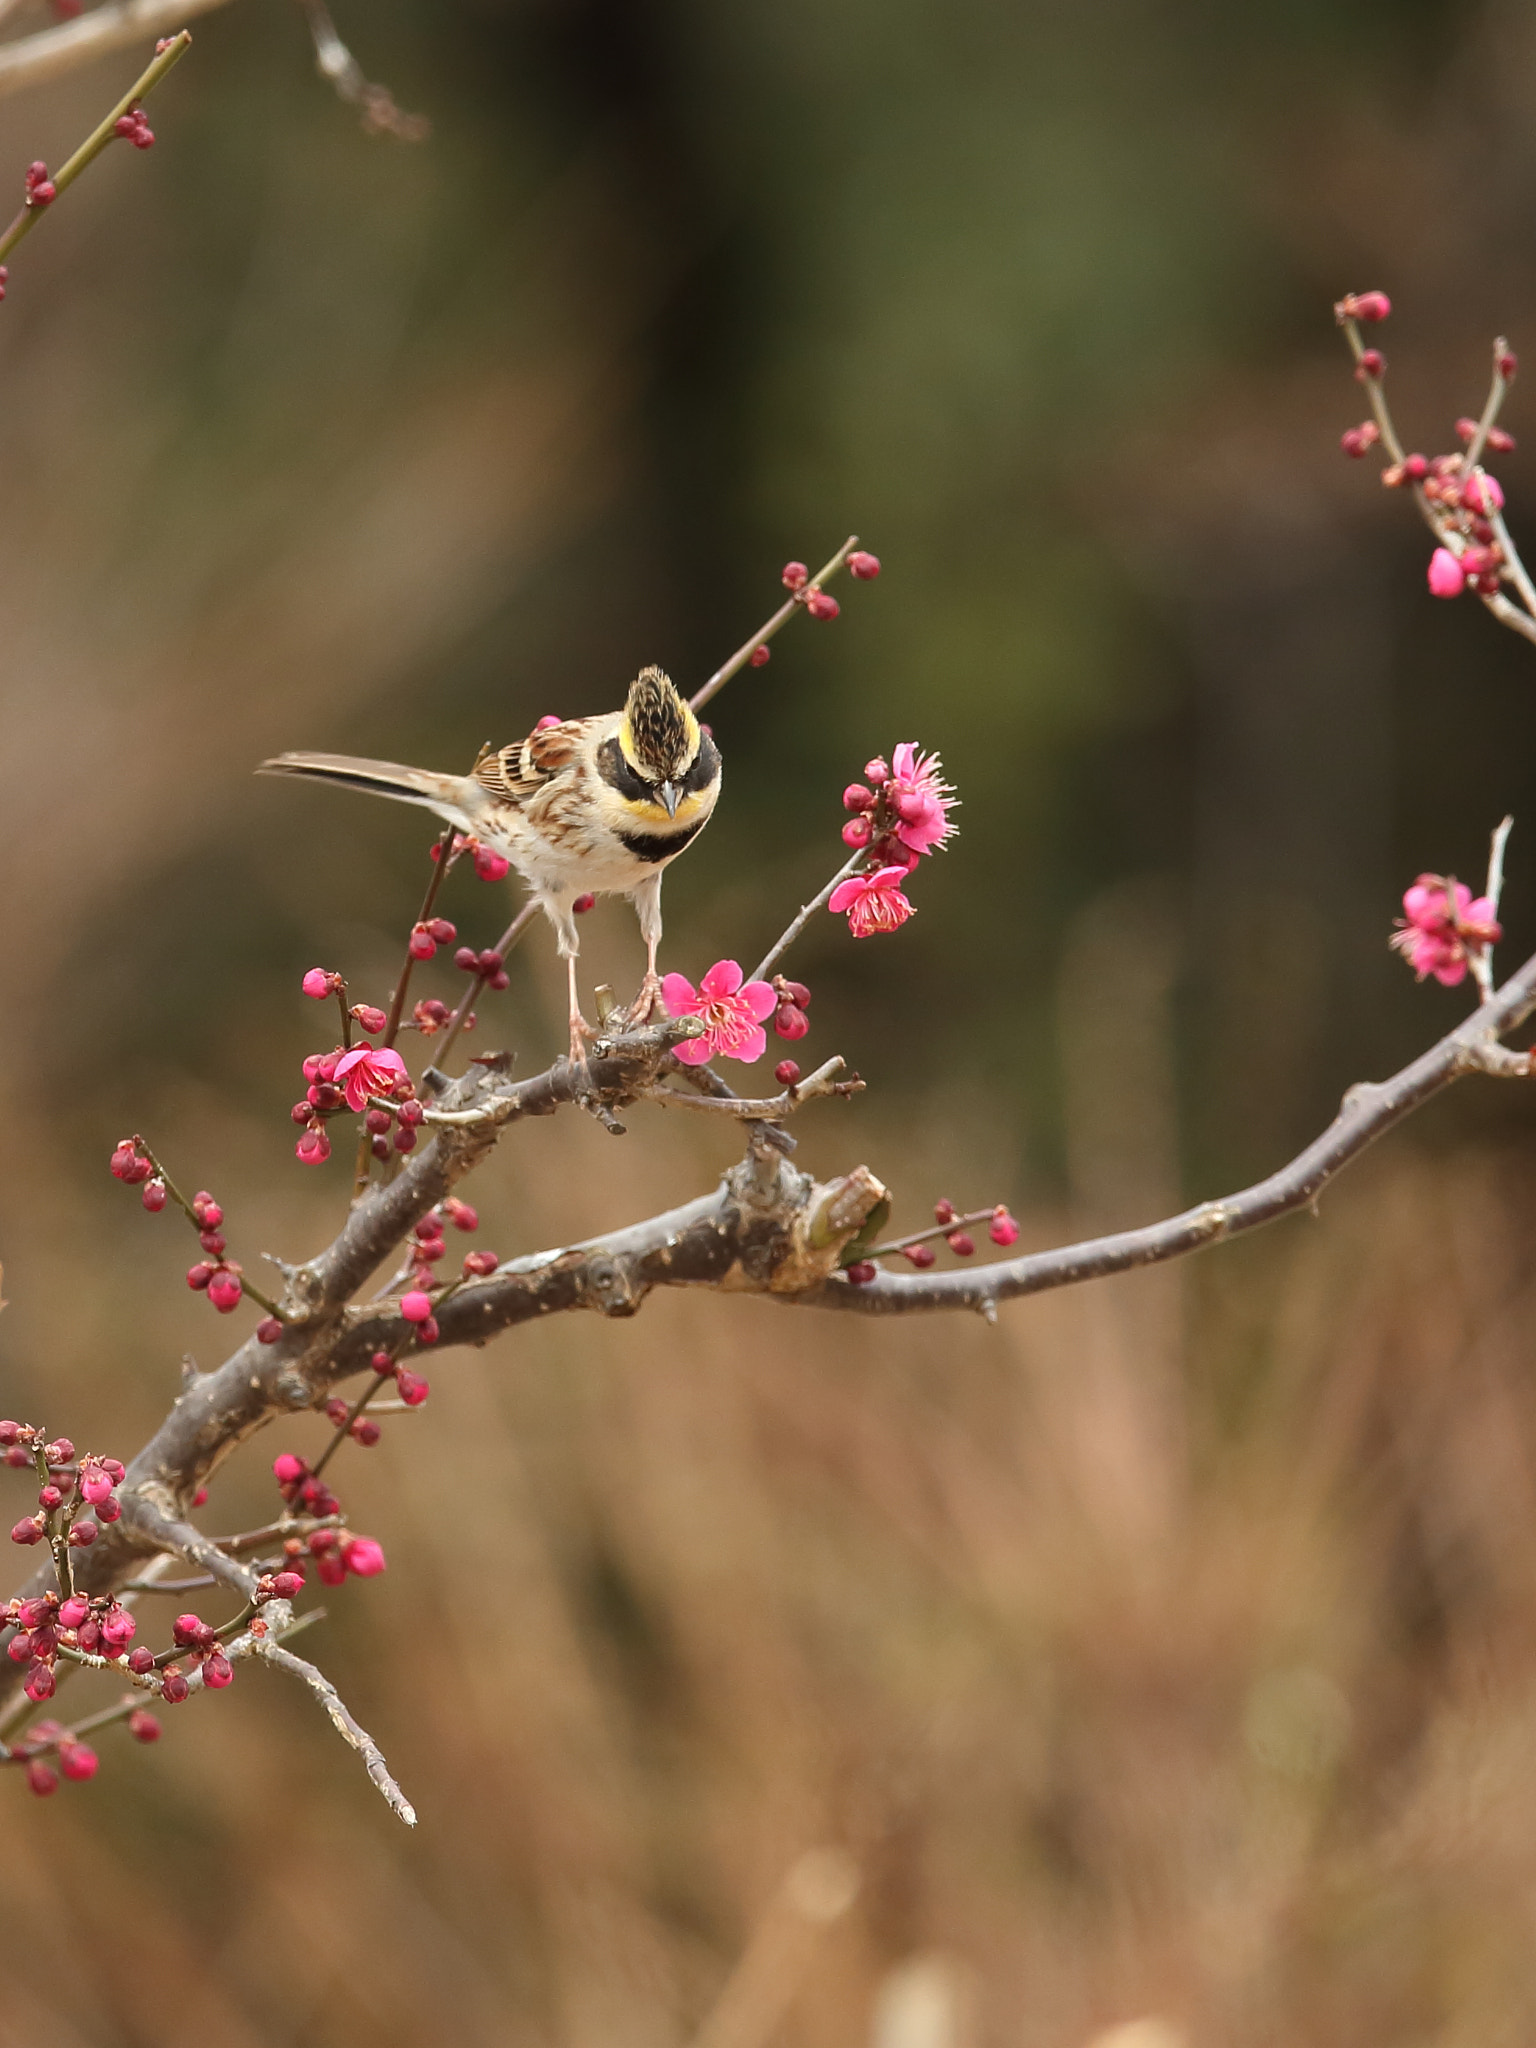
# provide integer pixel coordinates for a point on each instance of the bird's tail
(444, 794)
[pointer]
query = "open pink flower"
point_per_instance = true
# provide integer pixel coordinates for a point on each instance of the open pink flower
(921, 799)
(733, 1013)
(1445, 927)
(874, 903)
(368, 1070)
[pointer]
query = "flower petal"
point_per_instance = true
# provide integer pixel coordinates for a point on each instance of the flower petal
(751, 1045)
(693, 1052)
(760, 999)
(723, 979)
(678, 993)
(846, 893)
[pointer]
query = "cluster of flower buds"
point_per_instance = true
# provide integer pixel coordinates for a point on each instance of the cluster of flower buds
(134, 128)
(789, 1019)
(301, 1490)
(427, 936)
(1462, 500)
(216, 1275)
(367, 1078)
(1445, 929)
(40, 188)
(337, 1551)
(490, 865)
(955, 1230)
(487, 964)
(192, 1634)
(50, 1623)
(900, 812)
(76, 1760)
(819, 603)
(67, 1487)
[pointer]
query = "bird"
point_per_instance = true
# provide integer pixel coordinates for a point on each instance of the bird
(586, 806)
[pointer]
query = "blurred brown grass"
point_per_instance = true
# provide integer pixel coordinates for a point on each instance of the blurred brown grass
(1140, 1675)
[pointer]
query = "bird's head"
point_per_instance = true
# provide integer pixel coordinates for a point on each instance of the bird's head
(659, 736)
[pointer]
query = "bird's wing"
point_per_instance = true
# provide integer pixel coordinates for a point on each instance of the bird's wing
(520, 771)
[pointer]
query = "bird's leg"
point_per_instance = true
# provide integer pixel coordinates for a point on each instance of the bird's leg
(581, 1030)
(647, 902)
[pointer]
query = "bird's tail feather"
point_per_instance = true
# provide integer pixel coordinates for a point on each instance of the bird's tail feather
(435, 791)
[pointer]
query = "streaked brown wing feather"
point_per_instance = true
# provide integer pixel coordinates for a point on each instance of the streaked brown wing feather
(520, 771)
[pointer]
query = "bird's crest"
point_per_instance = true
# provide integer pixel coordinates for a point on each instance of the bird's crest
(660, 735)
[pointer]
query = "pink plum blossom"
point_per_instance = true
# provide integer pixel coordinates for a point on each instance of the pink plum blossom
(1445, 927)
(874, 903)
(920, 797)
(368, 1070)
(732, 1012)
(363, 1556)
(1447, 578)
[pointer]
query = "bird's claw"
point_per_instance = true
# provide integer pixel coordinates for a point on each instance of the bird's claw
(644, 1007)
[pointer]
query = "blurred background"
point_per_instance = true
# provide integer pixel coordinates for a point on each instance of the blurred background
(1155, 1669)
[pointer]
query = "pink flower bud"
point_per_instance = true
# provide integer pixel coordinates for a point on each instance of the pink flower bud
(787, 1073)
(362, 1556)
(422, 944)
(546, 722)
(217, 1671)
(1364, 306)
(268, 1330)
(143, 1726)
(191, 1632)
(1482, 494)
(876, 772)
(73, 1611)
(1501, 439)
(1466, 428)
(491, 866)
(287, 1469)
(857, 797)
(1356, 440)
(329, 1569)
(224, 1290)
(860, 1273)
(761, 655)
(49, 1498)
(1445, 574)
(1371, 364)
(213, 1242)
(794, 576)
(583, 904)
(1415, 467)
(790, 1021)
(857, 833)
(370, 1017)
(1002, 1229)
(365, 1431)
(821, 604)
(413, 1389)
(141, 1660)
(415, 1306)
(198, 1276)
(123, 1160)
(313, 1149)
(39, 1685)
(405, 1139)
(41, 1778)
(110, 1510)
(442, 930)
(1508, 364)
(95, 1486)
(316, 983)
(173, 1686)
(921, 1255)
(78, 1761)
(961, 1243)
(153, 1196)
(865, 566)
(119, 1627)
(288, 1585)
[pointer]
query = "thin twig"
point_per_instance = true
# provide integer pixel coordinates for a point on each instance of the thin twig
(807, 911)
(346, 1727)
(822, 1082)
(96, 141)
(781, 617)
(335, 62)
(30, 59)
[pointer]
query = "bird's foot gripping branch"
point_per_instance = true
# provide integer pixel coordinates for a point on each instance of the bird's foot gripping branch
(347, 1334)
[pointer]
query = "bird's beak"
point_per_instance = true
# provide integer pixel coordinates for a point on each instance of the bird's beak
(670, 795)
